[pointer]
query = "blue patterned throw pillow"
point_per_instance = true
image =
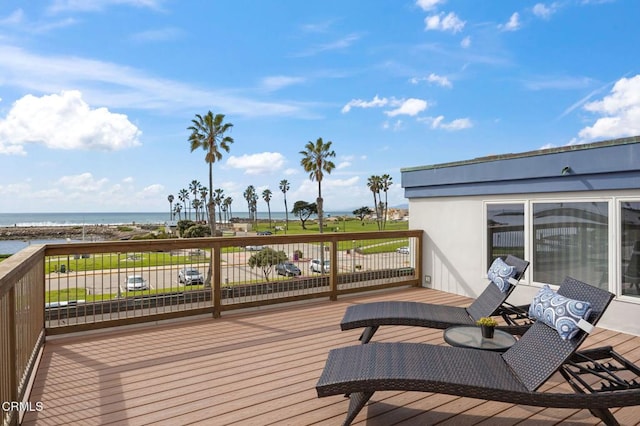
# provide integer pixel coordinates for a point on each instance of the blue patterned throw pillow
(559, 312)
(499, 274)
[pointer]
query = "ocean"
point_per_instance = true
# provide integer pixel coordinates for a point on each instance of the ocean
(78, 219)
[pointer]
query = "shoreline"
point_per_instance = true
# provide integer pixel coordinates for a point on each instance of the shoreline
(103, 232)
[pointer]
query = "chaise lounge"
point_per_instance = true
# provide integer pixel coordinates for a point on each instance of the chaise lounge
(514, 376)
(491, 302)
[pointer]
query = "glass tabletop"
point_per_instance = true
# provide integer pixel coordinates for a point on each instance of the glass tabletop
(471, 337)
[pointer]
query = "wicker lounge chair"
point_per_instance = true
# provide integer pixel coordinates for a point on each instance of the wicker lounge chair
(512, 377)
(491, 302)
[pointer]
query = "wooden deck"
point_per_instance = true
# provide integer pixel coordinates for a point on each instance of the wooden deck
(258, 367)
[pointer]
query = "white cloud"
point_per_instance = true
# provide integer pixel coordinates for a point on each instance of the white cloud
(152, 190)
(513, 24)
(280, 81)
(395, 126)
(84, 182)
(620, 110)
(339, 44)
(457, 124)
(119, 86)
(98, 5)
(343, 165)
(64, 121)
(15, 18)
(427, 5)
(442, 22)
(164, 34)
(255, 164)
(411, 107)
(543, 11)
(359, 103)
(466, 42)
(433, 78)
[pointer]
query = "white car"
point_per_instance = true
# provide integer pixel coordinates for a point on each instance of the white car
(190, 276)
(136, 282)
(314, 266)
(403, 250)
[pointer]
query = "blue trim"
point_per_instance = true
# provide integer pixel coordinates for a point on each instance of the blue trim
(601, 166)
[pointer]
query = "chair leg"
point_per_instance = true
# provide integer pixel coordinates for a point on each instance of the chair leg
(357, 400)
(604, 415)
(368, 333)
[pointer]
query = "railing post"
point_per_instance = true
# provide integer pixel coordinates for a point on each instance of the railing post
(333, 270)
(216, 297)
(13, 349)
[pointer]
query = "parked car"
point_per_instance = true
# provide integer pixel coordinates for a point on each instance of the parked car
(403, 250)
(288, 269)
(314, 266)
(190, 276)
(136, 282)
(254, 248)
(263, 233)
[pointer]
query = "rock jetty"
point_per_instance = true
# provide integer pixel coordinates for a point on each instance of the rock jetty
(93, 232)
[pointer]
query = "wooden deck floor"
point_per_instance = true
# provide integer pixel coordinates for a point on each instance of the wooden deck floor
(257, 367)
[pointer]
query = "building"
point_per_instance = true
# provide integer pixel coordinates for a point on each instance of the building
(573, 210)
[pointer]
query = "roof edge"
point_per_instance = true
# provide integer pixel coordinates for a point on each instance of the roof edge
(547, 151)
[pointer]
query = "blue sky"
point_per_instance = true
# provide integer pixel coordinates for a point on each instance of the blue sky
(96, 96)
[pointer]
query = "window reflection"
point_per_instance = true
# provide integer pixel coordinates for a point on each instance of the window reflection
(630, 249)
(571, 239)
(505, 227)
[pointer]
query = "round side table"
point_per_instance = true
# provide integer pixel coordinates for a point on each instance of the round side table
(471, 337)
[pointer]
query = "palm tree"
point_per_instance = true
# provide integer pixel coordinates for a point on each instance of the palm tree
(208, 133)
(183, 195)
(203, 196)
(194, 188)
(177, 209)
(170, 199)
(227, 204)
(217, 200)
(284, 187)
(248, 195)
(266, 196)
(315, 160)
(196, 206)
(385, 182)
(374, 183)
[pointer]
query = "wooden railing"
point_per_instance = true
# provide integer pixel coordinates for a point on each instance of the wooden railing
(22, 328)
(62, 288)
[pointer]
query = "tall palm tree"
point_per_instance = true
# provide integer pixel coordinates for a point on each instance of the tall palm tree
(385, 182)
(315, 161)
(375, 183)
(208, 133)
(284, 187)
(227, 203)
(204, 192)
(183, 195)
(194, 188)
(196, 206)
(217, 200)
(177, 209)
(248, 195)
(170, 199)
(266, 196)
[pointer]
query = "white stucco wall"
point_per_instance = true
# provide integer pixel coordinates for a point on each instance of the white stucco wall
(455, 252)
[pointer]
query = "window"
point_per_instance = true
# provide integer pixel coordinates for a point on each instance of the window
(505, 231)
(571, 239)
(630, 248)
